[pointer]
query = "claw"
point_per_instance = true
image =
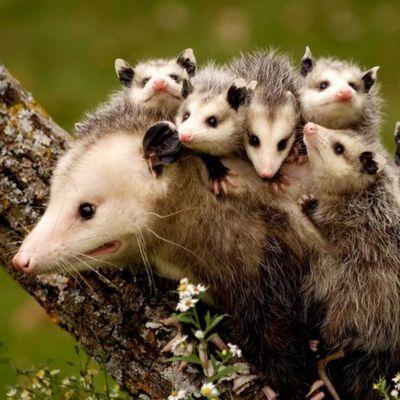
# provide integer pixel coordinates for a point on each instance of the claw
(314, 344)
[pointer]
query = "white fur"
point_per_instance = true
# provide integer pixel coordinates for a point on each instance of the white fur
(105, 175)
(322, 107)
(215, 141)
(266, 158)
(147, 95)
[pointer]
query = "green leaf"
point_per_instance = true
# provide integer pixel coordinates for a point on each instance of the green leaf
(185, 318)
(192, 358)
(224, 372)
(214, 322)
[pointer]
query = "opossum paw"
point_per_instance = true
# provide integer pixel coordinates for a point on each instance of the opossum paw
(269, 393)
(308, 203)
(222, 185)
(314, 345)
(296, 156)
(316, 392)
(279, 183)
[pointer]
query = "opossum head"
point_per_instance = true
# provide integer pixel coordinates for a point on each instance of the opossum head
(158, 83)
(101, 199)
(334, 93)
(271, 126)
(212, 122)
(341, 161)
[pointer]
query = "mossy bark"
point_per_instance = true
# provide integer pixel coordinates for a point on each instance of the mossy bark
(107, 316)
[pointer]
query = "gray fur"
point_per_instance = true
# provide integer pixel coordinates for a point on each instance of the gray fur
(118, 114)
(356, 280)
(273, 72)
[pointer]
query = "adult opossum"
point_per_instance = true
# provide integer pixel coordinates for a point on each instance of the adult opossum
(106, 205)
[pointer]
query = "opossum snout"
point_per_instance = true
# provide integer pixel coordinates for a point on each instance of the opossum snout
(344, 94)
(159, 85)
(310, 128)
(23, 263)
(186, 137)
(267, 174)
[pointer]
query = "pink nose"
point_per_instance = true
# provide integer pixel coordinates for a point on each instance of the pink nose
(186, 137)
(23, 263)
(344, 94)
(310, 128)
(159, 85)
(267, 174)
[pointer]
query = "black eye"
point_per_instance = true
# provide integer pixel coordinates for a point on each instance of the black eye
(282, 144)
(338, 148)
(144, 81)
(175, 77)
(185, 116)
(86, 211)
(323, 85)
(212, 121)
(254, 140)
(353, 85)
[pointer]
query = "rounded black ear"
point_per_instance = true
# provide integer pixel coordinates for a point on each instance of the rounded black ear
(187, 61)
(187, 88)
(161, 146)
(307, 62)
(397, 142)
(237, 94)
(124, 71)
(369, 78)
(368, 164)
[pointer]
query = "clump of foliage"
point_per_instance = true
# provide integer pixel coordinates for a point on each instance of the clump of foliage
(44, 383)
(201, 345)
(389, 390)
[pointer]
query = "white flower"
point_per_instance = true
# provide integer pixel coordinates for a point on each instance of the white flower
(199, 334)
(234, 350)
(394, 393)
(66, 382)
(396, 379)
(209, 390)
(186, 303)
(177, 395)
(12, 392)
(178, 341)
(185, 288)
(54, 372)
(199, 289)
(25, 395)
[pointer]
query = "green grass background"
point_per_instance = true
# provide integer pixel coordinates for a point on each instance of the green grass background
(63, 51)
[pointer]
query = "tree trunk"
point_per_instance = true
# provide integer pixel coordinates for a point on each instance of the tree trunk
(107, 316)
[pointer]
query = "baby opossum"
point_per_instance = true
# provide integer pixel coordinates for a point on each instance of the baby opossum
(211, 120)
(160, 84)
(106, 206)
(339, 95)
(356, 280)
(273, 112)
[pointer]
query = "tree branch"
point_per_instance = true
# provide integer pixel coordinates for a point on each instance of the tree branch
(106, 314)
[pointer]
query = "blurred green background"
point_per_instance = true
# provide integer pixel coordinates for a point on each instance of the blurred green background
(63, 51)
